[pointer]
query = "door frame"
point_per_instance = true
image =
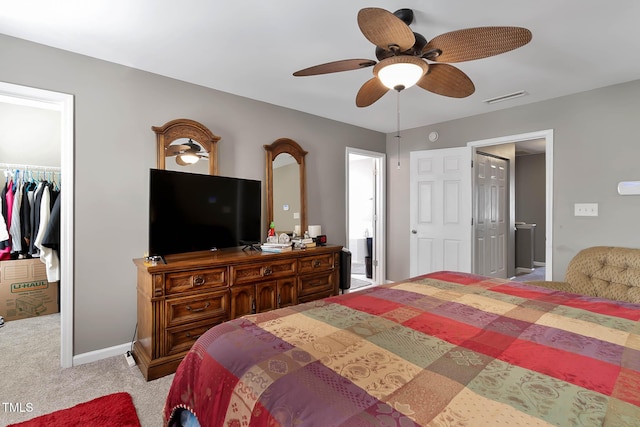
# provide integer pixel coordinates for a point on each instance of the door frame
(64, 103)
(379, 244)
(547, 135)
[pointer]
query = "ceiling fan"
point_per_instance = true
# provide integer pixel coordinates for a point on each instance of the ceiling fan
(406, 58)
(186, 154)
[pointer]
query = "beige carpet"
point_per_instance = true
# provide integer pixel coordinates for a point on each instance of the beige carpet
(31, 376)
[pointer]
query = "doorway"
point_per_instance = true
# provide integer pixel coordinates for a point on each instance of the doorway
(540, 142)
(365, 222)
(39, 98)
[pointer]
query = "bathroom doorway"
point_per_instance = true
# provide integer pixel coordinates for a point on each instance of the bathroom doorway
(365, 203)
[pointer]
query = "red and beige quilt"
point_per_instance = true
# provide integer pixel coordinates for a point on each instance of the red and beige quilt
(444, 349)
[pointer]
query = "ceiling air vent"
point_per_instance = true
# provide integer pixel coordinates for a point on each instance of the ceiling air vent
(505, 97)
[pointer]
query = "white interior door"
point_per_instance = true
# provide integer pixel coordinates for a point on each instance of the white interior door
(491, 218)
(440, 210)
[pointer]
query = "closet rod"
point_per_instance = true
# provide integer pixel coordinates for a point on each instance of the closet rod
(29, 167)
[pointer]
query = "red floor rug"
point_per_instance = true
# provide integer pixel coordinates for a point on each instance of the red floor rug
(112, 410)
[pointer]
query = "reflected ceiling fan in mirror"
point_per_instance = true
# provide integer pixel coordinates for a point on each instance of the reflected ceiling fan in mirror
(406, 58)
(186, 154)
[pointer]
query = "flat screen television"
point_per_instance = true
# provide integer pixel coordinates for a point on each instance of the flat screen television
(193, 212)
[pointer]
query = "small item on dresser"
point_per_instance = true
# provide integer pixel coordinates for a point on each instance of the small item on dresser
(272, 230)
(303, 242)
(315, 230)
(284, 238)
(321, 239)
(276, 247)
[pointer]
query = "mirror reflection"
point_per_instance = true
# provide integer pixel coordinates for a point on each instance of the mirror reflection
(186, 155)
(286, 186)
(286, 194)
(184, 144)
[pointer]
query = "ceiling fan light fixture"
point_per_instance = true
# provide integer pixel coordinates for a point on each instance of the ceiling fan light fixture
(400, 72)
(188, 158)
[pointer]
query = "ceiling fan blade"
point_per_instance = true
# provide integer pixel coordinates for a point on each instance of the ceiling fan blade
(384, 29)
(335, 67)
(370, 92)
(173, 150)
(475, 43)
(447, 80)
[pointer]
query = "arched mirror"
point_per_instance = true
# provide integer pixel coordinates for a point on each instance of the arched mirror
(286, 186)
(186, 145)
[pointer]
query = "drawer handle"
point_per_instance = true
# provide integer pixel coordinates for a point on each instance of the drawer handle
(195, 337)
(198, 280)
(316, 263)
(267, 271)
(198, 310)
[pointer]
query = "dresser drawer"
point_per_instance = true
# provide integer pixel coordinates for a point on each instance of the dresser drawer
(316, 263)
(197, 307)
(316, 283)
(264, 270)
(181, 339)
(194, 280)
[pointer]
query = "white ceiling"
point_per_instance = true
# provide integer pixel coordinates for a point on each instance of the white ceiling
(251, 48)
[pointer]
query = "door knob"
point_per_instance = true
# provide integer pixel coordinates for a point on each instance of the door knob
(414, 231)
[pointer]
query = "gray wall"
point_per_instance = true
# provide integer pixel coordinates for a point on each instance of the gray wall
(115, 107)
(595, 147)
(530, 198)
(29, 135)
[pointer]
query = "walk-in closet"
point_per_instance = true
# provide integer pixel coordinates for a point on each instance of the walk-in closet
(30, 216)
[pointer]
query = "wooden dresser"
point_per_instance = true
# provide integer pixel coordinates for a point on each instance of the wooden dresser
(178, 301)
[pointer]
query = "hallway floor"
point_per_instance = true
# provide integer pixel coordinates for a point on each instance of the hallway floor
(538, 273)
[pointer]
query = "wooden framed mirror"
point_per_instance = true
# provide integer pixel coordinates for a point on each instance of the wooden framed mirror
(186, 131)
(286, 186)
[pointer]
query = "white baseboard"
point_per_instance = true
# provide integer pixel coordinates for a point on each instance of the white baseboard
(94, 356)
(538, 264)
(524, 270)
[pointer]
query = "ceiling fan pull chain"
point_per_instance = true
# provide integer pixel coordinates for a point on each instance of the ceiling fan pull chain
(398, 126)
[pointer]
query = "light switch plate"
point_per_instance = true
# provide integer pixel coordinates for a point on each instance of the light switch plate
(585, 209)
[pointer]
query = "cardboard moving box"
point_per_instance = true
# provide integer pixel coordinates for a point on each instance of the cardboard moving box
(25, 291)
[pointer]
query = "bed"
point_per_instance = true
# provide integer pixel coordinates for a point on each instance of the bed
(443, 349)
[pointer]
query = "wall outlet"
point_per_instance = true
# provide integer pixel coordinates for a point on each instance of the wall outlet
(585, 209)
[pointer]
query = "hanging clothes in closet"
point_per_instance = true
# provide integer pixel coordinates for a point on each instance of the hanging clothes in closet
(30, 218)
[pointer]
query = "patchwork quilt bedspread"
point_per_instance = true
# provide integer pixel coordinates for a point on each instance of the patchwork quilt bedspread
(444, 349)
